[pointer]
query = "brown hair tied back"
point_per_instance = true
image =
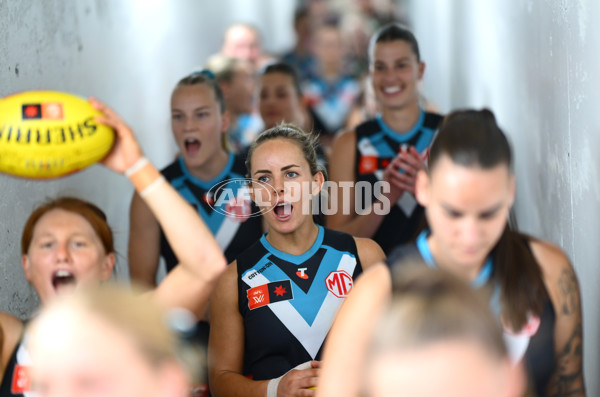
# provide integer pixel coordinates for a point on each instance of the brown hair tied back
(473, 139)
(306, 142)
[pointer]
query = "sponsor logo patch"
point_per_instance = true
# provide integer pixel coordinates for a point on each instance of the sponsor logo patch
(31, 111)
(368, 164)
(339, 283)
(269, 293)
(300, 273)
(21, 381)
(42, 111)
(52, 111)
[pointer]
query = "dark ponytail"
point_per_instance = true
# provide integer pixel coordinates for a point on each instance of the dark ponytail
(519, 277)
(472, 138)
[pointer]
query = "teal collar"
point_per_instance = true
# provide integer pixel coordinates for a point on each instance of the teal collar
(484, 274)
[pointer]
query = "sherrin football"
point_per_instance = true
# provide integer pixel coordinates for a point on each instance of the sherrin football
(48, 134)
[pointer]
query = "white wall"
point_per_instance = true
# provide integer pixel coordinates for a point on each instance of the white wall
(535, 63)
(127, 53)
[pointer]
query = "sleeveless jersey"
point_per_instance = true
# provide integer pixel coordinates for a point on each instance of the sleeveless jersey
(16, 381)
(534, 344)
(330, 101)
(376, 146)
(288, 302)
(233, 233)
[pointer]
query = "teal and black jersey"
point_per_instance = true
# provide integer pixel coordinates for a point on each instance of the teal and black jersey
(534, 344)
(17, 380)
(288, 302)
(376, 146)
(233, 233)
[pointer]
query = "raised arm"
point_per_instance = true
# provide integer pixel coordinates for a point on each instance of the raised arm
(561, 283)
(200, 259)
(144, 243)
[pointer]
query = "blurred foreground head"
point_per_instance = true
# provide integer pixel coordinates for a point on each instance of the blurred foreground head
(104, 341)
(438, 338)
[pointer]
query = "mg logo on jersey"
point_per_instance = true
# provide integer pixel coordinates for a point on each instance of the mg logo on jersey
(339, 283)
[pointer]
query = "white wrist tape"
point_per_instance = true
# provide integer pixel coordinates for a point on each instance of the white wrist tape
(136, 167)
(274, 383)
(272, 387)
(151, 187)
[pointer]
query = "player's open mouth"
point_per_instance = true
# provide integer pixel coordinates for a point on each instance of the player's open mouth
(283, 211)
(392, 90)
(192, 146)
(63, 278)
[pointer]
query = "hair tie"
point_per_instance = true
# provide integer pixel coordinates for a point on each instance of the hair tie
(204, 72)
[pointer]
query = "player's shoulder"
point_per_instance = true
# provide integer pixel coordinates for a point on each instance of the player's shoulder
(367, 128)
(172, 170)
(369, 251)
(432, 120)
(553, 261)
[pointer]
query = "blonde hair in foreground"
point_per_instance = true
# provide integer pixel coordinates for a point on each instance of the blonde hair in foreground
(432, 305)
(437, 336)
(106, 340)
(130, 312)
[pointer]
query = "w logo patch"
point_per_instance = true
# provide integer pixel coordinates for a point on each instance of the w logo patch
(269, 293)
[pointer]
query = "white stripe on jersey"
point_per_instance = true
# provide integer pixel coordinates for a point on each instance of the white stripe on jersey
(24, 358)
(407, 203)
(366, 148)
(516, 345)
(227, 232)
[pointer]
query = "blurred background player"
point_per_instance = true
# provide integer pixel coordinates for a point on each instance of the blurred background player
(301, 56)
(199, 123)
(242, 40)
(329, 90)
(392, 147)
(237, 80)
(281, 101)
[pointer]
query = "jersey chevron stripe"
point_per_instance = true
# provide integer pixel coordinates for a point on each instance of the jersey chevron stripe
(227, 232)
